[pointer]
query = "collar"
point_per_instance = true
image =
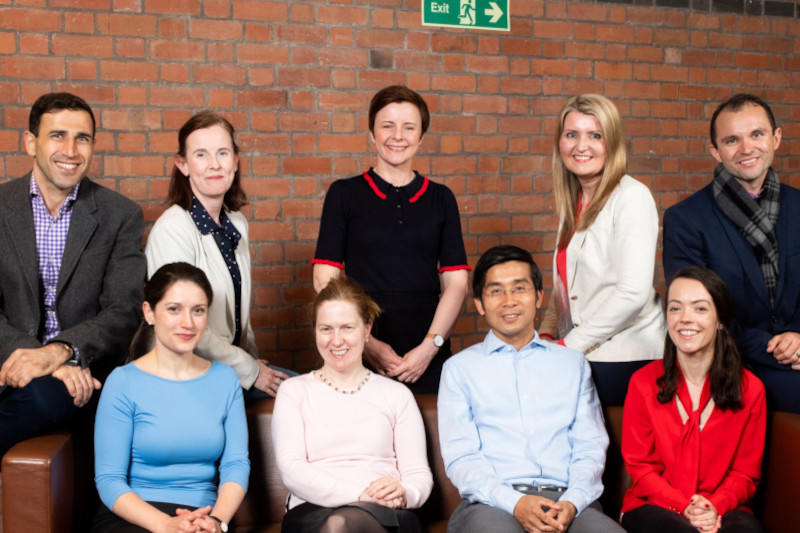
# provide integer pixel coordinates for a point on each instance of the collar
(68, 201)
(205, 224)
(494, 345)
(381, 187)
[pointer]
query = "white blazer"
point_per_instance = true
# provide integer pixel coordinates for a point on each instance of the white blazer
(615, 313)
(174, 237)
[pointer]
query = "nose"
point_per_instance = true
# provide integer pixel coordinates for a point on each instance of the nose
(214, 161)
(397, 133)
(70, 147)
(187, 320)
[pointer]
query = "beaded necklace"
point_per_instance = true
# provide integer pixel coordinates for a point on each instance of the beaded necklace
(352, 390)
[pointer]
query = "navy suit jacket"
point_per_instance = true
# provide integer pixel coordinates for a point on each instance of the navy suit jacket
(697, 232)
(99, 293)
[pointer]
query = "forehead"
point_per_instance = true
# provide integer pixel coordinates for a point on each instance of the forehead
(76, 120)
(749, 118)
(215, 136)
(399, 111)
(509, 272)
(332, 311)
(575, 120)
(687, 289)
(182, 291)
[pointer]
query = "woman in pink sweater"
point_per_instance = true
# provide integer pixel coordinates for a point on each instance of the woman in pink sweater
(349, 444)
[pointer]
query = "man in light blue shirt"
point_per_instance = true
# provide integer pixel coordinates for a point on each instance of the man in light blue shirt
(522, 433)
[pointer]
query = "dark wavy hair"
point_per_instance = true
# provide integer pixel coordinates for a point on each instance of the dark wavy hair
(726, 368)
(154, 291)
(54, 102)
(180, 190)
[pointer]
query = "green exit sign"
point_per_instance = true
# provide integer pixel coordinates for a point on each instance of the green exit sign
(479, 14)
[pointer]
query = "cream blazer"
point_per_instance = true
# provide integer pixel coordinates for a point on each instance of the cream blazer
(614, 312)
(173, 238)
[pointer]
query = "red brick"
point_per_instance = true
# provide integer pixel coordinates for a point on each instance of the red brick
(582, 11)
(553, 30)
(32, 67)
(129, 120)
(295, 77)
(76, 22)
(305, 166)
(261, 98)
(124, 24)
(218, 74)
(129, 48)
(177, 7)
(343, 143)
(176, 97)
(259, 53)
(172, 28)
(216, 30)
(128, 71)
(73, 45)
(184, 51)
(38, 20)
(348, 16)
(141, 165)
(34, 43)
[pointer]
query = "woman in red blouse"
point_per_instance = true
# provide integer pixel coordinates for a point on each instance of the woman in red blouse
(694, 424)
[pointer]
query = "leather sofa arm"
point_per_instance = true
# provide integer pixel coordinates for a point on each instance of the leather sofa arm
(782, 477)
(38, 485)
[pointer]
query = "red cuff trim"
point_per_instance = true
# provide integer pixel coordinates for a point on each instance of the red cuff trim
(420, 192)
(455, 267)
(561, 342)
(326, 262)
(374, 187)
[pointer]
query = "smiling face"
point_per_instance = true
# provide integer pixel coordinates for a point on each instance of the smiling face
(62, 150)
(691, 319)
(179, 318)
(210, 163)
(341, 334)
(746, 145)
(582, 146)
(397, 134)
(511, 315)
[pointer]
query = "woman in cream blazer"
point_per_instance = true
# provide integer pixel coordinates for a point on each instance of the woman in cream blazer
(603, 302)
(203, 227)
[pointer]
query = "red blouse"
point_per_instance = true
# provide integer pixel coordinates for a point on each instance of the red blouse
(731, 447)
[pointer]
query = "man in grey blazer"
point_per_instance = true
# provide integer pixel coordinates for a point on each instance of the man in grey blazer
(71, 273)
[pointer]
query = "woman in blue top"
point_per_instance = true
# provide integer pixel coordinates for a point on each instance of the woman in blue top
(171, 433)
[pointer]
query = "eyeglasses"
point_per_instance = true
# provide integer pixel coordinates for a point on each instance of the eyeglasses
(497, 292)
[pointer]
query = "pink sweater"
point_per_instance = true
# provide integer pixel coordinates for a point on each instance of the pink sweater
(330, 446)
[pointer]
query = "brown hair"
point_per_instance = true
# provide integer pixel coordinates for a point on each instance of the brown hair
(180, 190)
(347, 290)
(566, 185)
(397, 94)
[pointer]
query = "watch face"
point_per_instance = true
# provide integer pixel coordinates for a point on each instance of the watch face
(438, 341)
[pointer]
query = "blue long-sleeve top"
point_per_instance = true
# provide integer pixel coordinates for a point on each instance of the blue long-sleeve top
(170, 441)
(530, 416)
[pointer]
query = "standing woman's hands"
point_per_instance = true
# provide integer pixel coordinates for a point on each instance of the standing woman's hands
(415, 362)
(268, 379)
(381, 356)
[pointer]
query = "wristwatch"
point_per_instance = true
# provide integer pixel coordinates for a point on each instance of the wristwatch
(222, 525)
(438, 340)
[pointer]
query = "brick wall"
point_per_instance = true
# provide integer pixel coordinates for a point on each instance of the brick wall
(295, 78)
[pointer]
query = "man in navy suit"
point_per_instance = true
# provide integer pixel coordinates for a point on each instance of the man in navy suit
(71, 273)
(745, 226)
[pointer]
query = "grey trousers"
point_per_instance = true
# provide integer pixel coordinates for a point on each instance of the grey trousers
(472, 517)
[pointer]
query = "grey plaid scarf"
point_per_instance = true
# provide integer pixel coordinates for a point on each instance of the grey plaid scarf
(755, 218)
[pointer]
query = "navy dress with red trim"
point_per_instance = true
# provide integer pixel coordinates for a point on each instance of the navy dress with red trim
(394, 241)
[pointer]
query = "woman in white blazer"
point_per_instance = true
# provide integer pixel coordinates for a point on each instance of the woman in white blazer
(203, 226)
(603, 302)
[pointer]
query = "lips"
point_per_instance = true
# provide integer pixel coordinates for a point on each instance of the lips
(185, 336)
(687, 332)
(338, 353)
(66, 166)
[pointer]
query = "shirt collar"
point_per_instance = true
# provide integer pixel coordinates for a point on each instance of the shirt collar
(381, 187)
(494, 345)
(68, 201)
(202, 220)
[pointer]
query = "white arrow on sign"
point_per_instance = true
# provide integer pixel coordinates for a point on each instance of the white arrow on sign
(495, 12)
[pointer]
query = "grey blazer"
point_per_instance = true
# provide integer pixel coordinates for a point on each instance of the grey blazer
(99, 292)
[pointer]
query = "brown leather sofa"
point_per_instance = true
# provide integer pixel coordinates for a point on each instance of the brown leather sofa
(47, 486)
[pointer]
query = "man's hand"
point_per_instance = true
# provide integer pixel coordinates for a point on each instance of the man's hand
(27, 364)
(79, 382)
(381, 356)
(539, 515)
(566, 515)
(785, 347)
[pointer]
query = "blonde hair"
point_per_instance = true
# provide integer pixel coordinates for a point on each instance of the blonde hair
(566, 185)
(346, 290)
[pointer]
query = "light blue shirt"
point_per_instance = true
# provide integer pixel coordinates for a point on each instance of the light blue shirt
(170, 441)
(532, 417)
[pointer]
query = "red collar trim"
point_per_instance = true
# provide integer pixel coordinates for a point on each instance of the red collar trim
(421, 191)
(374, 187)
